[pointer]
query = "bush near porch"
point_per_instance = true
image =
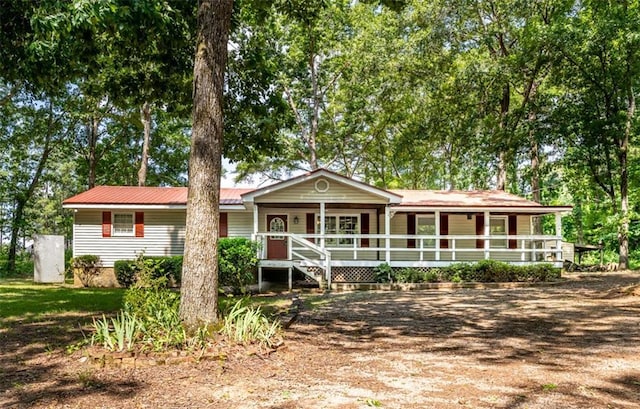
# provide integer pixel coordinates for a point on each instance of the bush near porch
(484, 271)
(237, 260)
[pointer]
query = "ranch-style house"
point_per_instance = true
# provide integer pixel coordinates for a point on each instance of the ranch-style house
(329, 227)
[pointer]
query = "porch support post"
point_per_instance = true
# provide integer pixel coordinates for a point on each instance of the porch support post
(290, 278)
(255, 219)
(487, 231)
(255, 233)
(559, 237)
(387, 231)
(259, 279)
(437, 215)
(322, 225)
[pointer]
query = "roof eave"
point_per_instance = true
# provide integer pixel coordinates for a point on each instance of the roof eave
(178, 206)
(475, 209)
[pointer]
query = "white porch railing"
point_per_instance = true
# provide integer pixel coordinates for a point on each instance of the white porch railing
(342, 247)
(295, 246)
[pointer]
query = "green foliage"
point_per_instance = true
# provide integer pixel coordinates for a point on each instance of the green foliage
(484, 271)
(238, 262)
(127, 271)
(86, 267)
(23, 265)
(383, 273)
(155, 306)
(118, 333)
(408, 275)
(245, 324)
(491, 271)
(430, 277)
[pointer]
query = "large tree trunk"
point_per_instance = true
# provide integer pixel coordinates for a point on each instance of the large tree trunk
(145, 116)
(199, 290)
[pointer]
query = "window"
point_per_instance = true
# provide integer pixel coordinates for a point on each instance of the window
(277, 225)
(123, 224)
(343, 225)
(426, 226)
(498, 227)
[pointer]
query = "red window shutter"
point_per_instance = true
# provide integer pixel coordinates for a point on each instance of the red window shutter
(106, 224)
(479, 230)
(224, 225)
(311, 225)
(139, 224)
(411, 229)
(444, 230)
(513, 230)
(364, 228)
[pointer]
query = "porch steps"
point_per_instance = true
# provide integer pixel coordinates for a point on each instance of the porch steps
(315, 274)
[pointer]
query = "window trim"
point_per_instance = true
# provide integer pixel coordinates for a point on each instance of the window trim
(131, 233)
(337, 216)
(500, 243)
(428, 243)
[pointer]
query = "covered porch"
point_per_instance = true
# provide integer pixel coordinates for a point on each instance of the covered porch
(439, 238)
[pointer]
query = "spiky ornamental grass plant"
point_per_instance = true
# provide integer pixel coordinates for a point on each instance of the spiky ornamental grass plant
(245, 324)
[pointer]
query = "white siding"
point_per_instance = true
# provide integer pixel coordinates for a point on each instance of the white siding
(240, 224)
(307, 193)
(163, 234)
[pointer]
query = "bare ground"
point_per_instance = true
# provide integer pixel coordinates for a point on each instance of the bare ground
(572, 345)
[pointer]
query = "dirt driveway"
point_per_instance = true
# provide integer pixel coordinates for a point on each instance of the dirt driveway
(573, 345)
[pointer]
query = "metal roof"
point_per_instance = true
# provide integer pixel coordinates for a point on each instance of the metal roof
(134, 195)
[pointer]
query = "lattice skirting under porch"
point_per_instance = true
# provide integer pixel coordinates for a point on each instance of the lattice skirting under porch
(357, 274)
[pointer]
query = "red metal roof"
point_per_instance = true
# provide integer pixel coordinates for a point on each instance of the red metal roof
(461, 198)
(134, 195)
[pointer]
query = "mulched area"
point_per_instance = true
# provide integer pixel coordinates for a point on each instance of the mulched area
(572, 345)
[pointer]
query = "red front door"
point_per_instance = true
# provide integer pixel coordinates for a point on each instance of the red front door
(277, 245)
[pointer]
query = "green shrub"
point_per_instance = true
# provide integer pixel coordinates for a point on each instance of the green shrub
(86, 267)
(431, 276)
(457, 272)
(383, 273)
(407, 275)
(170, 267)
(125, 272)
(155, 305)
(238, 262)
(491, 271)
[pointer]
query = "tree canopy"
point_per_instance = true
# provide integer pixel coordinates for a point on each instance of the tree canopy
(534, 97)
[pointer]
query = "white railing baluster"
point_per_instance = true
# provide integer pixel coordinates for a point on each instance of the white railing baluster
(453, 249)
(355, 249)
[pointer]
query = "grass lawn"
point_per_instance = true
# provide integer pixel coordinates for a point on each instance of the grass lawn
(24, 300)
